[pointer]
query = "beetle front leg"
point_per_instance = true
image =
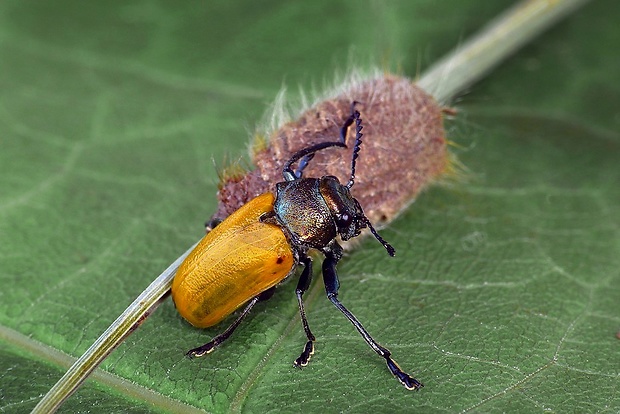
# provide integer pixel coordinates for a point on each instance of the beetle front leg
(302, 287)
(330, 278)
(212, 344)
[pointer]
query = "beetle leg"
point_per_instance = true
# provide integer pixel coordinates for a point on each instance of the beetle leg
(212, 344)
(330, 278)
(302, 287)
(211, 224)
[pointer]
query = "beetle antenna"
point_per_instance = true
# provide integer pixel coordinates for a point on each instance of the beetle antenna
(391, 251)
(356, 146)
(308, 153)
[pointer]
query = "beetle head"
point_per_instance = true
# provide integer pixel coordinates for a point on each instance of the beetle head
(346, 211)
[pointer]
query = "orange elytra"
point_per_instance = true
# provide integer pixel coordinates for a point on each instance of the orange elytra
(233, 263)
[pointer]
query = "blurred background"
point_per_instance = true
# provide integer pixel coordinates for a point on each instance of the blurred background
(114, 117)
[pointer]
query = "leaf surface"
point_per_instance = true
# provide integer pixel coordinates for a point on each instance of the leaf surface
(504, 293)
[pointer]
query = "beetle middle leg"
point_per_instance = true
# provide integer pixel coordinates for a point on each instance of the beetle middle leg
(216, 341)
(330, 278)
(302, 287)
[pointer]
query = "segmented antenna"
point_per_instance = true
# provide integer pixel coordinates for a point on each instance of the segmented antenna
(287, 171)
(356, 146)
(391, 251)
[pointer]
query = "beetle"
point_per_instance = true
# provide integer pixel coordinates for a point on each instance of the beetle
(243, 259)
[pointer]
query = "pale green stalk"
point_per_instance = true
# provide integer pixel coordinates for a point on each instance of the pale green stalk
(488, 48)
(122, 327)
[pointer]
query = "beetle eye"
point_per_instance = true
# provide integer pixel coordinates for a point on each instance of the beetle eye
(344, 220)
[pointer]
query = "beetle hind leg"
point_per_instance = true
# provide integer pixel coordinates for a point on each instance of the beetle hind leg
(215, 342)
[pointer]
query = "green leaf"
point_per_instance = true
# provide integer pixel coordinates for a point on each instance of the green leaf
(504, 293)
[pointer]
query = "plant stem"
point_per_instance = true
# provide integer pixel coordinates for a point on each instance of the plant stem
(116, 333)
(504, 35)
